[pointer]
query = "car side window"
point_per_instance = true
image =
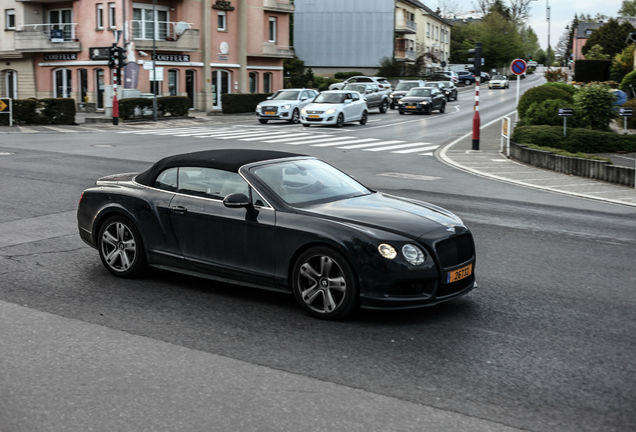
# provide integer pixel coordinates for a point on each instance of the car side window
(355, 96)
(365, 80)
(210, 182)
(307, 95)
(167, 180)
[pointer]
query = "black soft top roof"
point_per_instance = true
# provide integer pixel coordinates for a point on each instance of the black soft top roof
(224, 159)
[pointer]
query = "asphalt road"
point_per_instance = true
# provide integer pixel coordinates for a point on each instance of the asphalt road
(544, 344)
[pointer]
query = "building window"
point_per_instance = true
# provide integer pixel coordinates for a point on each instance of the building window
(82, 80)
(155, 87)
(10, 84)
(100, 16)
(272, 29)
(428, 30)
(253, 82)
(62, 26)
(173, 80)
(9, 22)
(111, 15)
(267, 82)
(221, 21)
(143, 21)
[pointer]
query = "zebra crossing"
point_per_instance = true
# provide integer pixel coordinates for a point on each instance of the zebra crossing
(286, 136)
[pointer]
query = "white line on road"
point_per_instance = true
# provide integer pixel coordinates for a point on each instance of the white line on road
(275, 135)
(345, 142)
(358, 146)
(394, 147)
(417, 150)
(288, 140)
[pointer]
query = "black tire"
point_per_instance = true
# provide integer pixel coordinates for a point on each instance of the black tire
(120, 247)
(428, 110)
(306, 124)
(324, 284)
(295, 118)
(456, 96)
(340, 120)
(442, 108)
(364, 118)
(384, 106)
(401, 112)
(263, 121)
(467, 82)
(392, 106)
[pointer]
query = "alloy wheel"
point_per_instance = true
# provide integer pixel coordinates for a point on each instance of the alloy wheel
(321, 284)
(118, 246)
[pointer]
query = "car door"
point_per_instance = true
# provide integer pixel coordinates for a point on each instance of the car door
(231, 243)
(359, 105)
(349, 108)
(438, 98)
(305, 98)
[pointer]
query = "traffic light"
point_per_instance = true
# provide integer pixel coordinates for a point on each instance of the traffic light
(476, 59)
(113, 56)
(121, 56)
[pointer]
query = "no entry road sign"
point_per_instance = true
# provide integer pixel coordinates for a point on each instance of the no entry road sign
(518, 66)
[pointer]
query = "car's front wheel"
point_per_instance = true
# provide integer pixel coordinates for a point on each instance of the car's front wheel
(306, 124)
(262, 121)
(442, 108)
(120, 247)
(468, 82)
(324, 285)
(295, 118)
(384, 106)
(340, 120)
(363, 119)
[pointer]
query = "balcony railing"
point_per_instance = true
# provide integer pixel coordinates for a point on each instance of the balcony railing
(273, 50)
(47, 37)
(178, 36)
(406, 27)
(405, 55)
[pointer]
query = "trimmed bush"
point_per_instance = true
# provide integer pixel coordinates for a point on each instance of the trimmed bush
(539, 94)
(344, 75)
(57, 111)
(546, 112)
(591, 70)
(25, 111)
(563, 86)
(323, 83)
(629, 83)
(577, 139)
(595, 106)
(242, 102)
(174, 105)
(132, 108)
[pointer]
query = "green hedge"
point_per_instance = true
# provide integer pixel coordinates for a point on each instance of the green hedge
(242, 102)
(540, 94)
(41, 111)
(577, 140)
(141, 108)
(345, 75)
(591, 70)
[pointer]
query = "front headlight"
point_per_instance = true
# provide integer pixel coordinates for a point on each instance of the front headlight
(387, 251)
(287, 106)
(258, 107)
(413, 254)
(424, 103)
(303, 111)
(330, 111)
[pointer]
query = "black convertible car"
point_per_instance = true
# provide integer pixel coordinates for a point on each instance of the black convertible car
(279, 221)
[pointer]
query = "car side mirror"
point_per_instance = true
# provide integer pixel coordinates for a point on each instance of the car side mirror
(369, 91)
(303, 99)
(237, 200)
(348, 101)
(268, 97)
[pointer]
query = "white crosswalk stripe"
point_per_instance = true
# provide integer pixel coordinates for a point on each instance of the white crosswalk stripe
(289, 140)
(417, 150)
(359, 146)
(341, 142)
(312, 140)
(275, 135)
(393, 147)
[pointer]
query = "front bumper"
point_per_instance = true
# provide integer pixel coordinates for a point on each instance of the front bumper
(279, 115)
(326, 119)
(433, 295)
(418, 108)
(496, 85)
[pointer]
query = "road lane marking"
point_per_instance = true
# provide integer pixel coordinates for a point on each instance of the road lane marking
(358, 146)
(394, 147)
(409, 176)
(317, 140)
(288, 140)
(275, 135)
(345, 142)
(417, 150)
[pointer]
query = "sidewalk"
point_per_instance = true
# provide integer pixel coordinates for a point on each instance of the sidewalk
(488, 162)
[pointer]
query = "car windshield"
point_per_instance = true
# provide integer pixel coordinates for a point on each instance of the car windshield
(421, 92)
(308, 181)
(285, 95)
(356, 87)
(330, 98)
(499, 77)
(406, 86)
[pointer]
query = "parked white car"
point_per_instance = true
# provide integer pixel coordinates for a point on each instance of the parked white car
(335, 107)
(285, 105)
(499, 81)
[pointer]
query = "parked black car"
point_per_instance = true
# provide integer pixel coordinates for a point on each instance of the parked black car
(449, 89)
(423, 100)
(279, 221)
(402, 89)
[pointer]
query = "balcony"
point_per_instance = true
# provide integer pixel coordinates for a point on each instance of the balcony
(272, 50)
(169, 36)
(406, 27)
(405, 55)
(278, 6)
(47, 38)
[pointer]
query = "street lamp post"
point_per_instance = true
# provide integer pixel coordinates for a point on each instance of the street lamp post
(547, 17)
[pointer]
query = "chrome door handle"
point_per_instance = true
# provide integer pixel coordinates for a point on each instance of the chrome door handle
(178, 210)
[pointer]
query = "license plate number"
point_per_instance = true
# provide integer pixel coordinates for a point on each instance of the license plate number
(313, 116)
(410, 106)
(270, 112)
(459, 274)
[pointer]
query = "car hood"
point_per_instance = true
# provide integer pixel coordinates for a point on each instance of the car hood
(415, 99)
(406, 217)
(322, 106)
(398, 93)
(277, 102)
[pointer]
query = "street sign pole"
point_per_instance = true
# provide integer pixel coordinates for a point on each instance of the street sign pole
(565, 126)
(518, 92)
(518, 67)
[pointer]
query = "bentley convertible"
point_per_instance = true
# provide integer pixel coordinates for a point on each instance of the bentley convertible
(279, 221)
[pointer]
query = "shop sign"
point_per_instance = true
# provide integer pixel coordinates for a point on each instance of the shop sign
(183, 58)
(223, 5)
(60, 56)
(99, 53)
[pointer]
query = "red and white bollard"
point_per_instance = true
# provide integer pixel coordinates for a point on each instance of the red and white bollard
(476, 119)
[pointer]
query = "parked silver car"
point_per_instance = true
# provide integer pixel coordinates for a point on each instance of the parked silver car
(382, 83)
(285, 105)
(371, 94)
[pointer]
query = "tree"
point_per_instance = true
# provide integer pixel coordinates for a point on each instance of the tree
(628, 8)
(611, 36)
(501, 42)
(529, 40)
(596, 53)
(540, 57)
(623, 63)
(447, 8)
(519, 10)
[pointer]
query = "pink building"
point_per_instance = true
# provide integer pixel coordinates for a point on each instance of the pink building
(203, 48)
(583, 32)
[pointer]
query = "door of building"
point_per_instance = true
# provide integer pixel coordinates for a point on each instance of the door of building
(62, 83)
(99, 88)
(190, 80)
(221, 84)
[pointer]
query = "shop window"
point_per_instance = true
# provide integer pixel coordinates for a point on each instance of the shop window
(173, 80)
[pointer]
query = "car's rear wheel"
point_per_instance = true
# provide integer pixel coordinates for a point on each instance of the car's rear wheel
(384, 106)
(295, 118)
(306, 124)
(340, 120)
(324, 284)
(120, 247)
(467, 82)
(363, 119)
(455, 98)
(401, 112)
(263, 121)
(442, 108)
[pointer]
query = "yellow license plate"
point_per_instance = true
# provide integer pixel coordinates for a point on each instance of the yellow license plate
(270, 112)
(459, 274)
(313, 116)
(410, 106)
